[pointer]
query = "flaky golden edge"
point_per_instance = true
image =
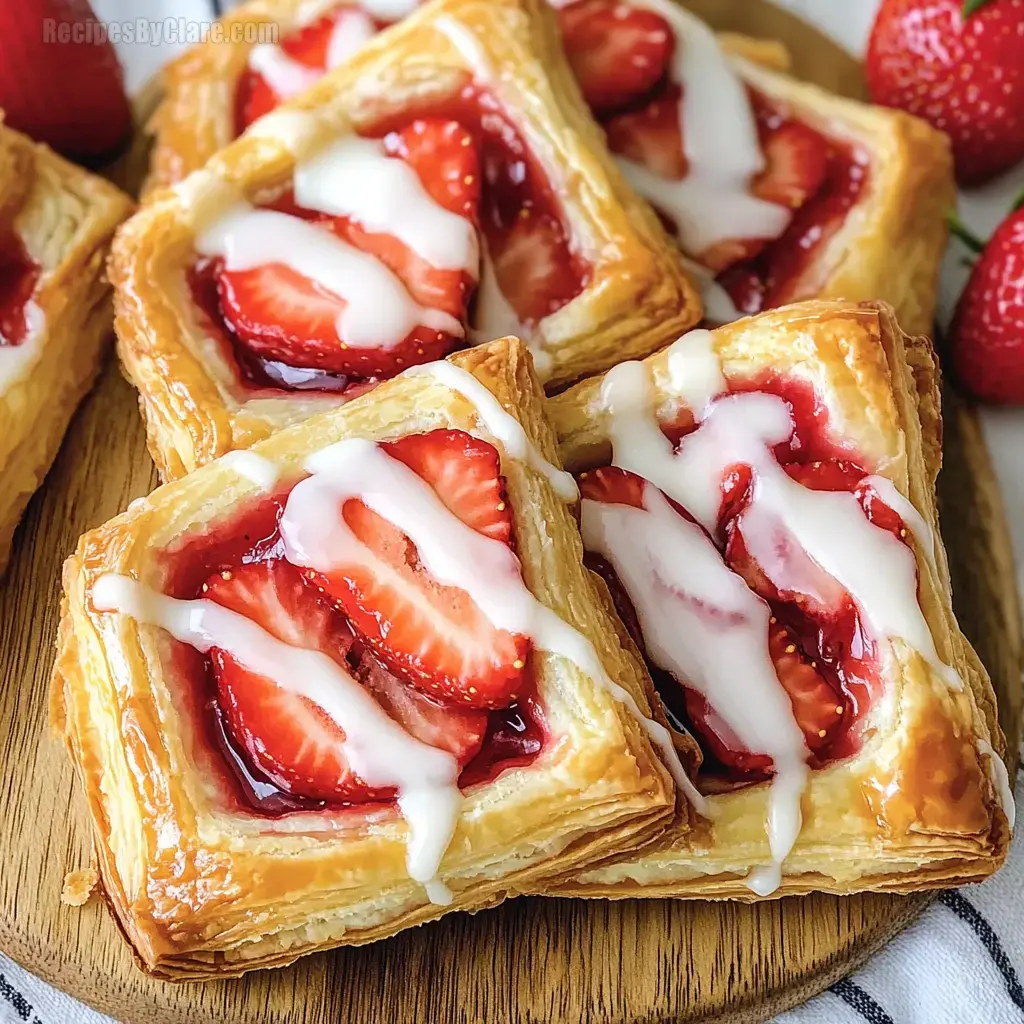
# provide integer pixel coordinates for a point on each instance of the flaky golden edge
(891, 244)
(65, 218)
(637, 296)
(943, 824)
(226, 900)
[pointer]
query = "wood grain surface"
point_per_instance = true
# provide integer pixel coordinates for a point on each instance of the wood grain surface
(530, 960)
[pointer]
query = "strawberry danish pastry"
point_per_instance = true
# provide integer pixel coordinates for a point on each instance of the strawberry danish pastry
(760, 501)
(444, 187)
(777, 190)
(56, 222)
(354, 677)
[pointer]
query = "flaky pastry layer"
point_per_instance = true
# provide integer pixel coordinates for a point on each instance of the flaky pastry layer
(205, 889)
(919, 805)
(64, 218)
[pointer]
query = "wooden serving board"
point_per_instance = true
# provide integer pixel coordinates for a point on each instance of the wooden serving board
(530, 960)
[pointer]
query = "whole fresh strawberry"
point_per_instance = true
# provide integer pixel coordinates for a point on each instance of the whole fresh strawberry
(60, 81)
(960, 66)
(987, 343)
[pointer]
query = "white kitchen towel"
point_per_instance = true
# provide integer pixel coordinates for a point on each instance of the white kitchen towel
(962, 961)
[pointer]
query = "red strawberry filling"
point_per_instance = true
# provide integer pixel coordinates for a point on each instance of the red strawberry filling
(309, 47)
(824, 658)
(425, 652)
(18, 279)
(622, 56)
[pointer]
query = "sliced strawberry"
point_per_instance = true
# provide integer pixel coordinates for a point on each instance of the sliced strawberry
(613, 486)
(534, 266)
(445, 159)
(719, 740)
(459, 730)
(818, 711)
(466, 474)
(796, 159)
(288, 738)
(283, 316)
(840, 475)
(309, 45)
(652, 136)
(618, 52)
(432, 635)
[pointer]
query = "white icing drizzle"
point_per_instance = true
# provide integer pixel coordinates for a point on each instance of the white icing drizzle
(316, 536)
(378, 311)
(297, 130)
(817, 543)
(495, 318)
(285, 75)
(1000, 781)
(718, 305)
(379, 750)
(701, 623)
(694, 370)
(907, 511)
(712, 203)
(505, 427)
(355, 177)
(253, 467)
(289, 77)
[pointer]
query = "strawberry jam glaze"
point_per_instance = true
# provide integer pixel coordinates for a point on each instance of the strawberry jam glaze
(630, 59)
(18, 278)
(523, 232)
(514, 735)
(831, 660)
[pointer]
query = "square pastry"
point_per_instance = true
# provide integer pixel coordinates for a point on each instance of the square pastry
(760, 500)
(269, 52)
(56, 222)
(778, 190)
(445, 186)
(352, 678)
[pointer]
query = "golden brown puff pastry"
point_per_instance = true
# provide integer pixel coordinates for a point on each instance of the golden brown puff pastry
(201, 110)
(202, 884)
(779, 189)
(630, 293)
(892, 240)
(905, 793)
(56, 222)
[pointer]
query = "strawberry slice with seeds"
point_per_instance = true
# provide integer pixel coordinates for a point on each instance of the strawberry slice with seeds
(652, 136)
(432, 635)
(287, 737)
(617, 52)
(796, 165)
(282, 316)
